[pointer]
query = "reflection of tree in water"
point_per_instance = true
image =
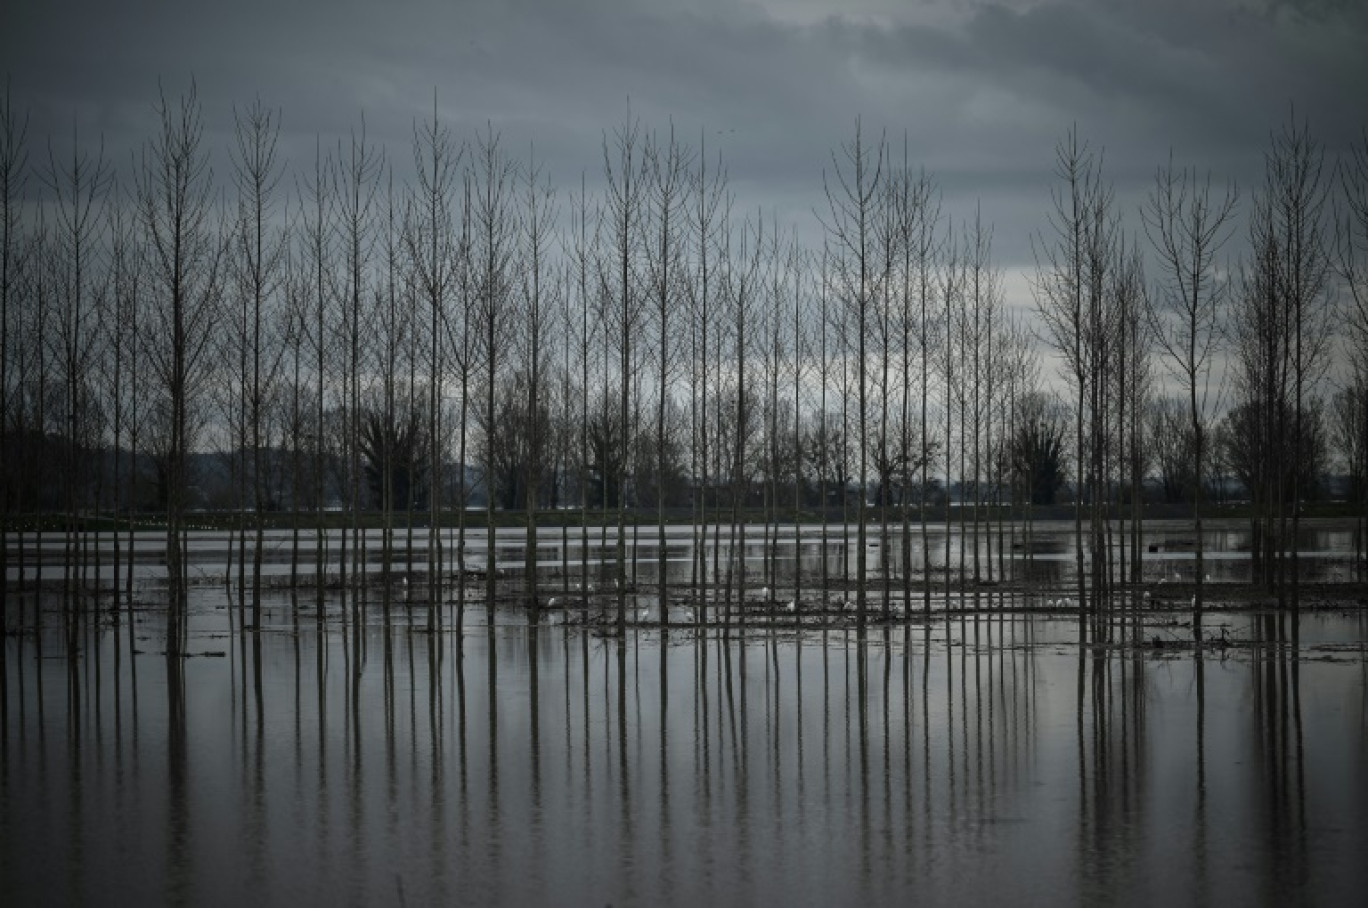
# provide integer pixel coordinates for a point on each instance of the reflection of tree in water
(1279, 780)
(1112, 729)
(908, 753)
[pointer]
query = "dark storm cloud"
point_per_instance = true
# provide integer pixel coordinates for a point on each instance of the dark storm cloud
(1208, 75)
(982, 91)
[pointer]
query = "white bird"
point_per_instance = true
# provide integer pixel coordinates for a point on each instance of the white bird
(1208, 578)
(1146, 596)
(793, 605)
(1177, 576)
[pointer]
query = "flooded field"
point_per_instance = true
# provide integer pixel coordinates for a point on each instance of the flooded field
(1044, 555)
(981, 758)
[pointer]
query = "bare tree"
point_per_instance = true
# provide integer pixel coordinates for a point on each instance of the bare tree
(983, 296)
(34, 288)
(538, 305)
(1351, 261)
(1187, 226)
(461, 347)
(1171, 442)
(124, 376)
(624, 172)
(1065, 288)
(78, 188)
(295, 336)
(493, 242)
(800, 350)
(13, 176)
(581, 331)
(357, 169)
(886, 457)
(1021, 377)
(259, 270)
(395, 307)
(431, 239)
(174, 189)
(821, 446)
(1293, 251)
(1132, 367)
(952, 293)
(740, 275)
(772, 330)
(316, 235)
(1349, 417)
(852, 201)
(919, 207)
(667, 173)
(707, 194)
(1259, 338)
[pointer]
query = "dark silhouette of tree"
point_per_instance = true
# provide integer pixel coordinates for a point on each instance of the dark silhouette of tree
(708, 207)
(357, 168)
(257, 265)
(1292, 468)
(1172, 447)
(1071, 262)
(185, 250)
(392, 445)
(1036, 448)
(852, 201)
(78, 186)
(667, 174)
(493, 241)
(1349, 422)
(1187, 226)
(538, 304)
(606, 449)
(624, 213)
(1282, 338)
(1351, 261)
(13, 176)
(436, 260)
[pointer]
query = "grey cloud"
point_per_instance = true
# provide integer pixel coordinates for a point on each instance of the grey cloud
(983, 91)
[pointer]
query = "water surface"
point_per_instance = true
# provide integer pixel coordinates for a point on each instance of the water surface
(964, 761)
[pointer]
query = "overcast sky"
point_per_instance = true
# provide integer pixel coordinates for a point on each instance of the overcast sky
(981, 90)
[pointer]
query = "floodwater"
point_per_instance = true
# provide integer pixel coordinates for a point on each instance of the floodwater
(973, 759)
(1041, 554)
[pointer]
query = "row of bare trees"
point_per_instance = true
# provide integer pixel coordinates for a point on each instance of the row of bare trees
(348, 340)
(1248, 333)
